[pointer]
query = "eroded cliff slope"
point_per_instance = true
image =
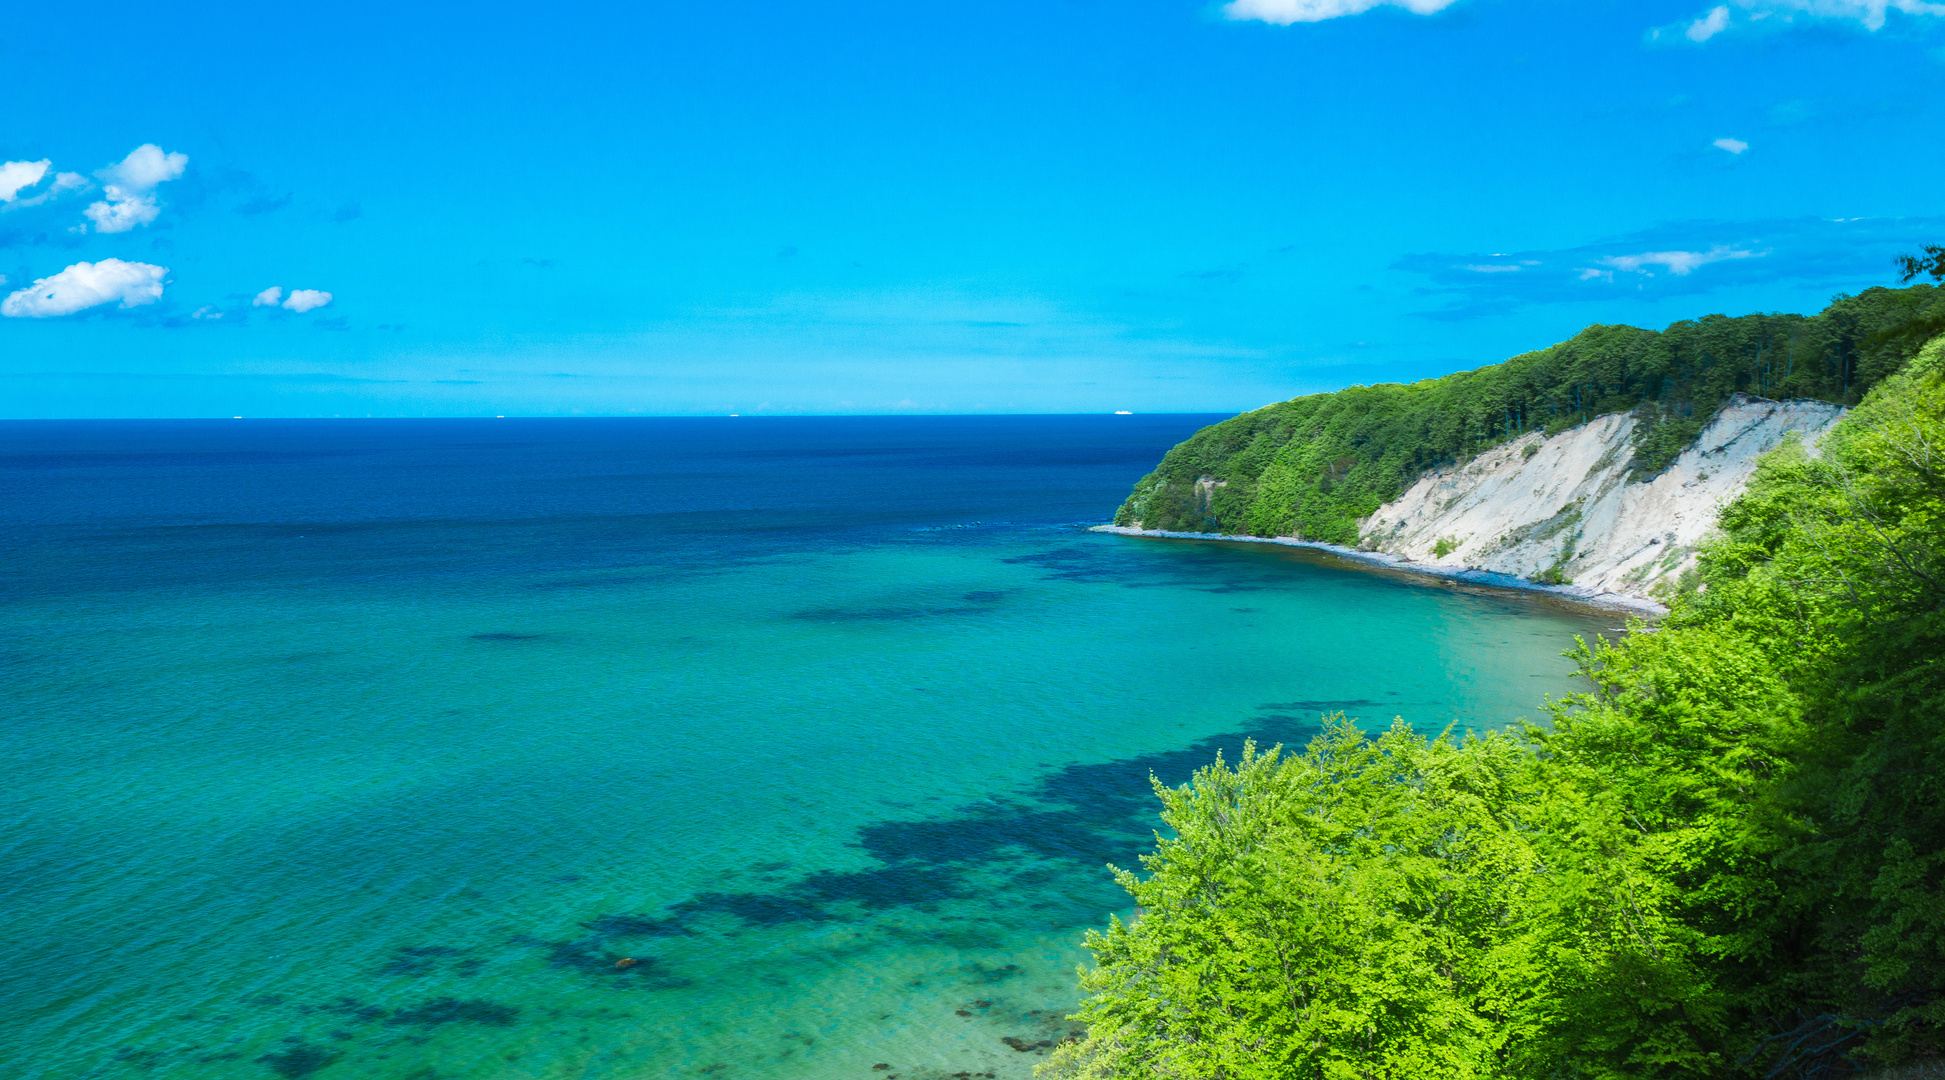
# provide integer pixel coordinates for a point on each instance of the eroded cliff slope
(1561, 510)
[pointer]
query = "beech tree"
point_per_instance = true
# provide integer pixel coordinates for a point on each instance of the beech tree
(1725, 859)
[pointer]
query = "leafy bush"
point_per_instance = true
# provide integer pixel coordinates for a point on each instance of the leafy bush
(1726, 859)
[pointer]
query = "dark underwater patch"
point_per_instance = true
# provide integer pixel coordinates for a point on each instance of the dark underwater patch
(350, 1008)
(1076, 563)
(440, 1011)
(586, 956)
(143, 1059)
(300, 1059)
(591, 957)
(1054, 840)
(983, 596)
(508, 637)
(417, 960)
(963, 937)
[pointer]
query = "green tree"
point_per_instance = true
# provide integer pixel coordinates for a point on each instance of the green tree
(1932, 262)
(1313, 466)
(1727, 858)
(1354, 907)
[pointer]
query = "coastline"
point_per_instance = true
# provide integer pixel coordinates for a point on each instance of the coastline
(1637, 605)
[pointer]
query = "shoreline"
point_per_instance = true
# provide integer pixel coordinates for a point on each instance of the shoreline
(1638, 605)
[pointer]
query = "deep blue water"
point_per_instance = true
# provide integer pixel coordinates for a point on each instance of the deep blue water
(371, 748)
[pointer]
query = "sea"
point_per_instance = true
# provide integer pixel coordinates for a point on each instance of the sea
(720, 747)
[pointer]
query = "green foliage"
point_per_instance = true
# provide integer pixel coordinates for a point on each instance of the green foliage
(1314, 913)
(1444, 546)
(1922, 325)
(1932, 262)
(1313, 466)
(1725, 859)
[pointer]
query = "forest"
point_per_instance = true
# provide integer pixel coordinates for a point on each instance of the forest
(1313, 466)
(1726, 858)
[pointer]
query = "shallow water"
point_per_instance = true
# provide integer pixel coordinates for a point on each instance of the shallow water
(368, 749)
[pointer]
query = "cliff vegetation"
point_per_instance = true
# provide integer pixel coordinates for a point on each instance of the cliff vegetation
(1314, 466)
(1726, 859)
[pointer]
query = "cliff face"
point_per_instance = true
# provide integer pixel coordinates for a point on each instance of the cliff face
(1561, 510)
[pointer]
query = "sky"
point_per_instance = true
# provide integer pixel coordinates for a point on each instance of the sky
(856, 207)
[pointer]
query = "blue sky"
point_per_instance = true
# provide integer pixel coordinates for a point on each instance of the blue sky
(1059, 206)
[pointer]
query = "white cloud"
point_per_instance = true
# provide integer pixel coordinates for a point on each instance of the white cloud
(1678, 263)
(1285, 12)
(15, 175)
(206, 312)
(86, 285)
(1706, 27)
(144, 168)
(122, 213)
(1781, 14)
(1734, 146)
(63, 183)
(1869, 12)
(1491, 268)
(302, 300)
(299, 300)
(130, 186)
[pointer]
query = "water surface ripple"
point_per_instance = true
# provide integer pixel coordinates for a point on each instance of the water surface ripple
(457, 749)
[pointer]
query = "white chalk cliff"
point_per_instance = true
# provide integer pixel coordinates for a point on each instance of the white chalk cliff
(1562, 510)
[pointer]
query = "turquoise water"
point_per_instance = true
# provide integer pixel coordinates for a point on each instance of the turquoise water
(370, 749)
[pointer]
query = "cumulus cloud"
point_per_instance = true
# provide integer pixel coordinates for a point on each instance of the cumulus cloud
(302, 300)
(299, 300)
(1782, 14)
(16, 175)
(86, 285)
(1285, 12)
(121, 215)
(1706, 27)
(144, 168)
(130, 188)
(1734, 146)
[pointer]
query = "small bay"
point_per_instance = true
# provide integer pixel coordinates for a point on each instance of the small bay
(756, 747)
